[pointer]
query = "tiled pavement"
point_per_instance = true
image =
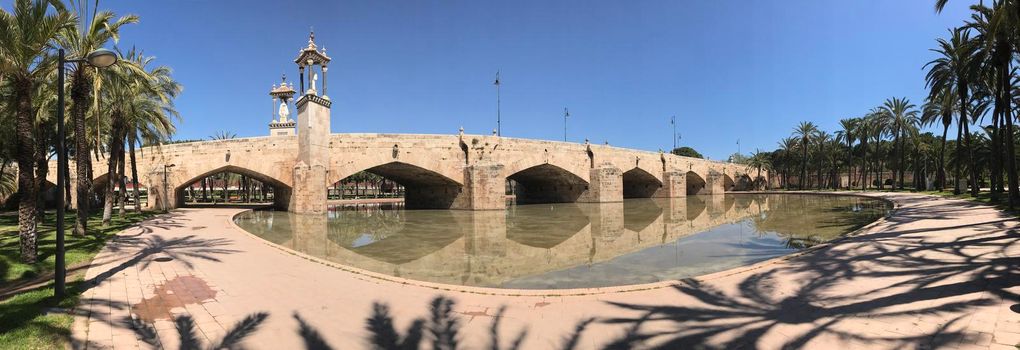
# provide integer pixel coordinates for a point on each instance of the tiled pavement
(937, 274)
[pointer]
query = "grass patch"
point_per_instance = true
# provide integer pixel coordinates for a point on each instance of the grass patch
(78, 249)
(24, 321)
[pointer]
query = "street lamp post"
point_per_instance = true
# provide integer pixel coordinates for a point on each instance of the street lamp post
(166, 185)
(566, 114)
(672, 122)
(499, 128)
(100, 58)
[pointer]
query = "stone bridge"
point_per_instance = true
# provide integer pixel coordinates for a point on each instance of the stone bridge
(442, 171)
(437, 171)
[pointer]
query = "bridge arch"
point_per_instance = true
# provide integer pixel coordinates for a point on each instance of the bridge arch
(728, 183)
(280, 191)
(743, 183)
(695, 183)
(547, 183)
(424, 188)
(638, 183)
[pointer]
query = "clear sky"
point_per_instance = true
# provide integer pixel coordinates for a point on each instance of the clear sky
(728, 70)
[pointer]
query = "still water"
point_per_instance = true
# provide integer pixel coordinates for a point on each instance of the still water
(568, 245)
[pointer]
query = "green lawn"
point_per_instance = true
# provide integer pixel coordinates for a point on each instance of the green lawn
(24, 322)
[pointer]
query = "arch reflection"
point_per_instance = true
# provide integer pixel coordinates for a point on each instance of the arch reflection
(566, 245)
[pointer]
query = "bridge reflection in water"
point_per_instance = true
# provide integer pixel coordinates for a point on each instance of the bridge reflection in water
(568, 245)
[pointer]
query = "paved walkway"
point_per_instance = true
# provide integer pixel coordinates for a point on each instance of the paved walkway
(938, 274)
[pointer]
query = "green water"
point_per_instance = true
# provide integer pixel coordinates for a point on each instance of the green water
(568, 245)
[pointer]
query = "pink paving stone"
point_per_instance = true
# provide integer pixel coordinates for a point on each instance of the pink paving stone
(924, 277)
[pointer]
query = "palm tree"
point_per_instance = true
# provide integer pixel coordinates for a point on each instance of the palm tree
(786, 148)
(872, 126)
(26, 35)
(759, 160)
(804, 131)
(939, 109)
(141, 105)
(821, 138)
(955, 70)
(901, 115)
(996, 27)
(91, 33)
(848, 134)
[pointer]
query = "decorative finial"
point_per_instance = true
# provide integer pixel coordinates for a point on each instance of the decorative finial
(493, 132)
(311, 35)
(283, 79)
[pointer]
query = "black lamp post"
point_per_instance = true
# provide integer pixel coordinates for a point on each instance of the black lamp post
(100, 58)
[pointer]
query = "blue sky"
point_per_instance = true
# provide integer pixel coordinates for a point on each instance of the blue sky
(728, 70)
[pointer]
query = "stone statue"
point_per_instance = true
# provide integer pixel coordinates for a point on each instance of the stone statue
(315, 77)
(284, 111)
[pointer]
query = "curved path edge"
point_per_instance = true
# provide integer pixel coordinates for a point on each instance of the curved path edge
(937, 273)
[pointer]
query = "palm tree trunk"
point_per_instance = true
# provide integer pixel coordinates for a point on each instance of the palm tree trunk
(111, 171)
(134, 173)
(957, 188)
(42, 165)
(974, 187)
(996, 156)
(121, 182)
(79, 106)
(1007, 118)
(26, 150)
(803, 165)
(941, 177)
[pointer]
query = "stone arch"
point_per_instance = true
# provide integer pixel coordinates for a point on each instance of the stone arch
(450, 171)
(638, 183)
(547, 183)
(424, 188)
(281, 190)
(99, 184)
(728, 183)
(695, 183)
(743, 183)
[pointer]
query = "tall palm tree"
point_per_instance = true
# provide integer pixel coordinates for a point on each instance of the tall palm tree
(759, 160)
(997, 32)
(821, 139)
(955, 69)
(140, 101)
(26, 35)
(804, 131)
(92, 32)
(787, 147)
(939, 109)
(901, 116)
(848, 134)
